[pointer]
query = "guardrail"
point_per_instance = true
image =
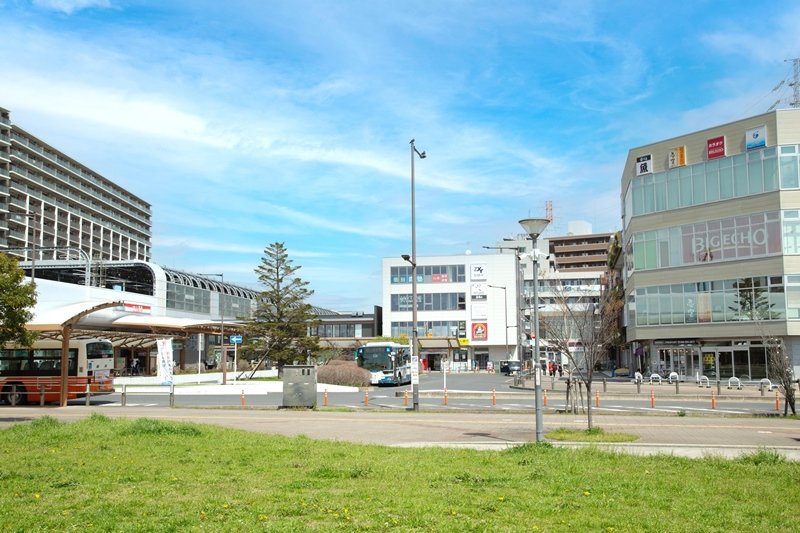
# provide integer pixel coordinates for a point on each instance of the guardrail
(125, 392)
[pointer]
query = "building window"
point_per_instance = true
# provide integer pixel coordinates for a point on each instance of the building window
(760, 298)
(430, 328)
(735, 176)
(428, 274)
(727, 239)
(452, 301)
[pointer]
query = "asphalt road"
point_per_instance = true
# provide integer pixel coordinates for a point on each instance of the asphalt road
(467, 391)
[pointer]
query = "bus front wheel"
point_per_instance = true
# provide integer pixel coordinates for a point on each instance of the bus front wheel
(12, 398)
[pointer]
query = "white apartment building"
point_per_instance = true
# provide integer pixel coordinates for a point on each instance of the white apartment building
(52, 203)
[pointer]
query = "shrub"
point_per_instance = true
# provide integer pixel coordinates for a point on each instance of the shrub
(338, 372)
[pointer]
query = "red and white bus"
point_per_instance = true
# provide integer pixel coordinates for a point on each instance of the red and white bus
(28, 373)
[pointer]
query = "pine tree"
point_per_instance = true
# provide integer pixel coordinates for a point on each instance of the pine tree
(279, 328)
(16, 299)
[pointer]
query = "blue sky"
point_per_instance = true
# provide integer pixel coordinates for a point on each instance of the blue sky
(244, 123)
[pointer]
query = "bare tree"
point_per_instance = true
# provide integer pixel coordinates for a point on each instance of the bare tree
(583, 332)
(752, 303)
(780, 371)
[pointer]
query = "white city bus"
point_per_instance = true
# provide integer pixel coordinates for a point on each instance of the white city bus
(389, 363)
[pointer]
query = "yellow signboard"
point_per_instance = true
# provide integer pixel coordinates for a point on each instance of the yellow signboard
(463, 342)
(677, 157)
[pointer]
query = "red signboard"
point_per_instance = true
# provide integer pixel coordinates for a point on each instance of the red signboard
(480, 331)
(136, 308)
(440, 278)
(715, 147)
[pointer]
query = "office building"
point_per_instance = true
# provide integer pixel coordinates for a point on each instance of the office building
(466, 308)
(711, 230)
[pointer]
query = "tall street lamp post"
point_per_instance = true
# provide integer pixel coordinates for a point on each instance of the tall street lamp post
(413, 261)
(534, 227)
(505, 309)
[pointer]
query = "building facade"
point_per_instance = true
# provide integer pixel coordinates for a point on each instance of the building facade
(51, 203)
(711, 230)
(470, 299)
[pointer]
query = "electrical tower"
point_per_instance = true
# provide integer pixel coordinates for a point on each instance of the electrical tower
(795, 83)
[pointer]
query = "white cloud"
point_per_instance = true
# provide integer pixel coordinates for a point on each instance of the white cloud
(71, 6)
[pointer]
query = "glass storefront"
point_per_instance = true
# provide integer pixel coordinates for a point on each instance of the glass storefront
(746, 360)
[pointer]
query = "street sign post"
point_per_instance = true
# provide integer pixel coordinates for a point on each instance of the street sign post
(236, 340)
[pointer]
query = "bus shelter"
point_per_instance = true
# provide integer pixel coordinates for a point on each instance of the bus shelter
(109, 320)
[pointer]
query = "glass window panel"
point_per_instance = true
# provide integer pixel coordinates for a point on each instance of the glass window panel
(690, 308)
(770, 174)
(653, 310)
(755, 177)
(740, 186)
(725, 183)
(675, 246)
(698, 190)
(660, 188)
(677, 309)
(651, 254)
(791, 236)
(686, 191)
(717, 306)
(712, 186)
(638, 196)
(792, 302)
(789, 172)
(649, 194)
(789, 149)
(673, 192)
(731, 310)
(665, 307)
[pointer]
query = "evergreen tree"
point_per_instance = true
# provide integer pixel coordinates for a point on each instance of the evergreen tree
(279, 328)
(16, 300)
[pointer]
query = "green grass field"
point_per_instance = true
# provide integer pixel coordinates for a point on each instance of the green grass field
(103, 474)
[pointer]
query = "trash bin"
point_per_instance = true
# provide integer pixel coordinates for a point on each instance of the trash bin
(300, 386)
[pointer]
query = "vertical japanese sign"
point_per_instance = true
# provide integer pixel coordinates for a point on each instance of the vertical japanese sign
(165, 361)
(677, 157)
(644, 164)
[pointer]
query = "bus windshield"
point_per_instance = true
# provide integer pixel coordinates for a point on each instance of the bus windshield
(375, 358)
(99, 349)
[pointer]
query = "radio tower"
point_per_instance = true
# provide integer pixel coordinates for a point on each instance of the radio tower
(795, 83)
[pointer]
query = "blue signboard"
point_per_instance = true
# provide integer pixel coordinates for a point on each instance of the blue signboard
(236, 339)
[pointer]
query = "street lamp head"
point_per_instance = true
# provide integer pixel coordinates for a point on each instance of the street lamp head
(423, 154)
(534, 226)
(406, 257)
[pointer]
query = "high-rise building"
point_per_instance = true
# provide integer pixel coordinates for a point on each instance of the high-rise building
(712, 249)
(51, 203)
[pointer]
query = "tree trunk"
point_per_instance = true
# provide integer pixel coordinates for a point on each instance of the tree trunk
(589, 405)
